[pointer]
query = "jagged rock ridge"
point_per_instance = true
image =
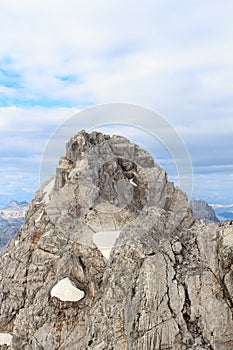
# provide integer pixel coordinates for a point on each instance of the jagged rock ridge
(167, 284)
(16, 206)
(203, 211)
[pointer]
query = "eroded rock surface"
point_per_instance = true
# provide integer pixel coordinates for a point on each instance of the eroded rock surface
(168, 282)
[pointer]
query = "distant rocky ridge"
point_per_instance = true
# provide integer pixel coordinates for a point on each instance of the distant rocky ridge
(168, 282)
(19, 207)
(11, 220)
(203, 211)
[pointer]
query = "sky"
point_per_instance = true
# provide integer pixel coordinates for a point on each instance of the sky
(173, 57)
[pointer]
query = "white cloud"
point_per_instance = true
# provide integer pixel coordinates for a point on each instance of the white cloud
(24, 134)
(29, 190)
(144, 52)
(34, 116)
(222, 205)
(174, 57)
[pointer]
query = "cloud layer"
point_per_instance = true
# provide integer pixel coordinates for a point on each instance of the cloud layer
(173, 57)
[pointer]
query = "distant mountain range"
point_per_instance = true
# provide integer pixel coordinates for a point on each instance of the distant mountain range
(223, 211)
(15, 205)
(11, 220)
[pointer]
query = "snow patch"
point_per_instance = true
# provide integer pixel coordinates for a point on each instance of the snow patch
(133, 183)
(66, 291)
(105, 241)
(5, 339)
(41, 214)
(47, 190)
(16, 243)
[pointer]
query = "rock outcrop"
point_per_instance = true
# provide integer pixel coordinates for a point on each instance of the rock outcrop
(203, 211)
(167, 284)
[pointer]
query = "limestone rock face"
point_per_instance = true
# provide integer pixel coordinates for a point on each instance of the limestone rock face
(203, 211)
(168, 282)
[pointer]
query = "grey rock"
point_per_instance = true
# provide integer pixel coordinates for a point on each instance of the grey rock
(203, 211)
(166, 285)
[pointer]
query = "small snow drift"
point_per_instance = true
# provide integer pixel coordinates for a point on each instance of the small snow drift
(66, 291)
(105, 241)
(47, 190)
(5, 339)
(133, 183)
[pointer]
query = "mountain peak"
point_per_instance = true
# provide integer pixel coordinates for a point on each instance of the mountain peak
(109, 199)
(16, 205)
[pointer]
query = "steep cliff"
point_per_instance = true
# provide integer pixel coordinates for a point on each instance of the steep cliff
(203, 211)
(167, 283)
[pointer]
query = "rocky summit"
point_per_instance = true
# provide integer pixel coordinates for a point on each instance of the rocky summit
(111, 258)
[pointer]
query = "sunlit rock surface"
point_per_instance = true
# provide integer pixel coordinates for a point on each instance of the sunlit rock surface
(165, 283)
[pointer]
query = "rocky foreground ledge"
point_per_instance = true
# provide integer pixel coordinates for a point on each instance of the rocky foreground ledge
(167, 282)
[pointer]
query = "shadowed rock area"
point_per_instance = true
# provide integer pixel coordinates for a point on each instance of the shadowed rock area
(167, 284)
